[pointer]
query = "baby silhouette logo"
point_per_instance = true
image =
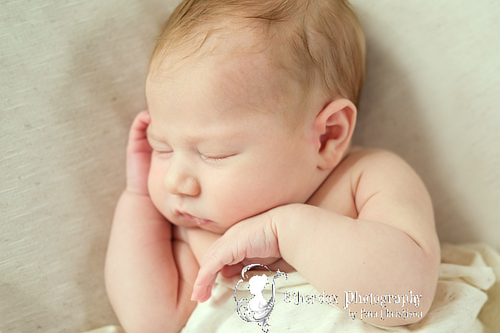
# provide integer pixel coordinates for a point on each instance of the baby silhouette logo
(257, 308)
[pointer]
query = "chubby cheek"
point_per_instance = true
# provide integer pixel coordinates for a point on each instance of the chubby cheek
(268, 184)
(239, 198)
(156, 189)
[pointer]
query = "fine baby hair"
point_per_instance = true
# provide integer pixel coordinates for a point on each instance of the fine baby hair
(319, 43)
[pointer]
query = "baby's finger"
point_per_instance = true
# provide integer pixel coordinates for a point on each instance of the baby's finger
(202, 292)
(218, 256)
(138, 155)
(137, 139)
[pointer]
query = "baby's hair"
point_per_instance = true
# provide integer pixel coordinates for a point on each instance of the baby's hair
(318, 42)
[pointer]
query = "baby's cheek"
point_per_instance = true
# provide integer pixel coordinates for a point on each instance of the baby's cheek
(237, 207)
(230, 208)
(153, 187)
(156, 177)
(156, 192)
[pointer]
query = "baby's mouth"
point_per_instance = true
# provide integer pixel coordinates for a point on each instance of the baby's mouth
(188, 217)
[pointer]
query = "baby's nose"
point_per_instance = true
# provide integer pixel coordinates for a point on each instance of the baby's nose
(188, 186)
(179, 181)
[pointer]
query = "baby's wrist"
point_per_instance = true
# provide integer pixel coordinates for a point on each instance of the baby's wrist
(134, 192)
(282, 214)
(136, 199)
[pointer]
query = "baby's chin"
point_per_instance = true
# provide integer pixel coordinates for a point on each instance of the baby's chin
(213, 227)
(215, 230)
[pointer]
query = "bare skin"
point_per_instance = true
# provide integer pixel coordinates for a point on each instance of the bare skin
(216, 179)
(362, 241)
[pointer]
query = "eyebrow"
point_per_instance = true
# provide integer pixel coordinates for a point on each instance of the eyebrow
(193, 139)
(153, 135)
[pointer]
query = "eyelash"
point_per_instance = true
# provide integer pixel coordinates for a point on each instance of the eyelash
(214, 158)
(162, 151)
(203, 156)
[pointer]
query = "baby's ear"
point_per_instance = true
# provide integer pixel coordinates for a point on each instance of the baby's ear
(333, 127)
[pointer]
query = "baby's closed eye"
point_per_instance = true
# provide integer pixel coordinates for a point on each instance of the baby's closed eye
(216, 157)
(162, 153)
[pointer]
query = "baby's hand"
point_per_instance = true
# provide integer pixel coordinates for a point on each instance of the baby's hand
(138, 155)
(252, 238)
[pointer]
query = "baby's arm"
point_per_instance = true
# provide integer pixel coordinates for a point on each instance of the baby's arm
(149, 275)
(390, 248)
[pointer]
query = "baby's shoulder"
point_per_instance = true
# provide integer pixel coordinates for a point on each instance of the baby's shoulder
(360, 160)
(354, 178)
(369, 183)
(360, 175)
(382, 173)
(366, 171)
(374, 168)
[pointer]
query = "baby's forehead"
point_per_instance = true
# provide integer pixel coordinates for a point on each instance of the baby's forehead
(230, 67)
(237, 65)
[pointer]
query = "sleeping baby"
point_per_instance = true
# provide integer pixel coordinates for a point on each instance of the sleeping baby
(245, 156)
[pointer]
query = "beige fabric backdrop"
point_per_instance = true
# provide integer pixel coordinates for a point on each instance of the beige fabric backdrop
(71, 80)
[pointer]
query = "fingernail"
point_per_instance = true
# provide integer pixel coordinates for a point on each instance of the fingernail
(193, 295)
(196, 295)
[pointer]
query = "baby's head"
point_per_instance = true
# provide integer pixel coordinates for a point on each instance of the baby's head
(252, 105)
(317, 44)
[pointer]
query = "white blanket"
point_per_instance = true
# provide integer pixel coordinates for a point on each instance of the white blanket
(467, 300)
